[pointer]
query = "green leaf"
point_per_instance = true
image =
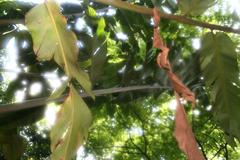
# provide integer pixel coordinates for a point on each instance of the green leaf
(195, 7)
(221, 74)
(142, 48)
(71, 129)
(91, 12)
(101, 27)
(52, 39)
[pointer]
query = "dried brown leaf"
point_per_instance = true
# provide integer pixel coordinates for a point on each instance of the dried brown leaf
(184, 135)
(183, 130)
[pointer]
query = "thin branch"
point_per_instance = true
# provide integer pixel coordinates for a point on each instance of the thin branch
(38, 102)
(11, 21)
(124, 124)
(202, 149)
(226, 151)
(220, 149)
(139, 149)
(181, 19)
(143, 129)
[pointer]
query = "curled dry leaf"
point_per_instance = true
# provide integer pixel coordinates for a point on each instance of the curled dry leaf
(163, 62)
(180, 88)
(183, 130)
(162, 59)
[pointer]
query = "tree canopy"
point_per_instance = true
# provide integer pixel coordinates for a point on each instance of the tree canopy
(85, 74)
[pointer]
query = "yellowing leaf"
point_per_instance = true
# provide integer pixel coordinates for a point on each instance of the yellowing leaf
(71, 129)
(52, 39)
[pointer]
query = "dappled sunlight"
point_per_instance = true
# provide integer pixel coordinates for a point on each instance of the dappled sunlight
(209, 107)
(121, 36)
(50, 114)
(10, 60)
(196, 112)
(21, 27)
(166, 10)
(25, 44)
(81, 25)
(196, 43)
(111, 12)
(35, 89)
(135, 131)
(20, 95)
(53, 79)
(81, 155)
(173, 104)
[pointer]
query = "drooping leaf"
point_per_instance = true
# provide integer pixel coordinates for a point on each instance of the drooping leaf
(221, 75)
(195, 7)
(163, 62)
(183, 130)
(52, 39)
(71, 129)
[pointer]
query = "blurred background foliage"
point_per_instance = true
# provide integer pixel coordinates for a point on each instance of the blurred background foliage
(116, 49)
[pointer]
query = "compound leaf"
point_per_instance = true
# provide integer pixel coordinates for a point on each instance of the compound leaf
(221, 73)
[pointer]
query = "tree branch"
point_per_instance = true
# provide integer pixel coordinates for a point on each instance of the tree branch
(6, 108)
(181, 19)
(226, 151)
(130, 138)
(139, 149)
(220, 149)
(147, 11)
(143, 129)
